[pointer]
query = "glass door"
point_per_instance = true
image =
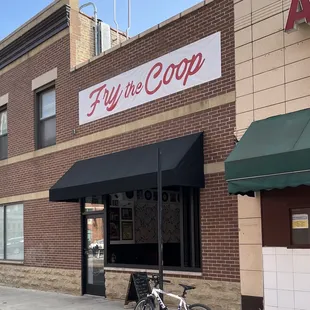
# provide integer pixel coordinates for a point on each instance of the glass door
(94, 255)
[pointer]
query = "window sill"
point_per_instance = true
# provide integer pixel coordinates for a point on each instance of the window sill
(41, 148)
(122, 242)
(11, 262)
(166, 272)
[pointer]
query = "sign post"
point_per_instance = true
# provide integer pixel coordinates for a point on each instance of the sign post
(160, 205)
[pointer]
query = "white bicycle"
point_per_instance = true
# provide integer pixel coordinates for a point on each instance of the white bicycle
(148, 303)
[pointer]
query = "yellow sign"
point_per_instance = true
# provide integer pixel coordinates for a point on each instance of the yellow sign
(300, 221)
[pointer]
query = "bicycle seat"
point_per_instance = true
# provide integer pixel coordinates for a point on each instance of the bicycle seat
(187, 287)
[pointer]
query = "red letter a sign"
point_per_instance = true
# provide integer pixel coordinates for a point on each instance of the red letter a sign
(299, 13)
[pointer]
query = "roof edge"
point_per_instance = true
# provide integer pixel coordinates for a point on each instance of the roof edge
(43, 14)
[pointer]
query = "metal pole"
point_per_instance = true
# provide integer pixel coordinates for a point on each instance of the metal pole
(115, 21)
(129, 19)
(95, 21)
(192, 229)
(159, 204)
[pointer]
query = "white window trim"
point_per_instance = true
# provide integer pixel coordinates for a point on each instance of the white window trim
(44, 79)
(4, 100)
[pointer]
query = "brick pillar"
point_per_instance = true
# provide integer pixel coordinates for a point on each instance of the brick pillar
(74, 30)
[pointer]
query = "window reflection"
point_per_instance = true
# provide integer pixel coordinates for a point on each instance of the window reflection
(1, 233)
(95, 255)
(132, 228)
(93, 204)
(14, 232)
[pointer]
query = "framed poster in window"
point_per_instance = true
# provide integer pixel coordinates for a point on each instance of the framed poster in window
(114, 231)
(300, 230)
(114, 214)
(127, 214)
(127, 231)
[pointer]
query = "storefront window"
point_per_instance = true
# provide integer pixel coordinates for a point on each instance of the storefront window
(133, 232)
(300, 227)
(12, 232)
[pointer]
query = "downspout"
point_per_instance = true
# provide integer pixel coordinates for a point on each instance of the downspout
(96, 23)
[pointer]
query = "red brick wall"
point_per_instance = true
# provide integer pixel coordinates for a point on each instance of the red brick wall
(219, 220)
(52, 234)
(219, 227)
(17, 82)
(40, 173)
(52, 231)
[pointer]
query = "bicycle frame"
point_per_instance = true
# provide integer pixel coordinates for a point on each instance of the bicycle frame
(156, 292)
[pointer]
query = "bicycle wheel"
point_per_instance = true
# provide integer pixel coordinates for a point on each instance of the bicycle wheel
(199, 307)
(145, 304)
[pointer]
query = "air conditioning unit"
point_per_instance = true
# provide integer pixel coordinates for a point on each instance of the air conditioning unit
(104, 37)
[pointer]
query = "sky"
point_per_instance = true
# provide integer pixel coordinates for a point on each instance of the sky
(144, 13)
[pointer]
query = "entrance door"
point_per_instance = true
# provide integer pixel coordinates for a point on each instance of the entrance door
(94, 255)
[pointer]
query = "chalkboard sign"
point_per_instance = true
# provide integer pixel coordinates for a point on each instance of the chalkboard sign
(138, 287)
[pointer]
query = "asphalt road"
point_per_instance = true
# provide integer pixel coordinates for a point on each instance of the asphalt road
(20, 299)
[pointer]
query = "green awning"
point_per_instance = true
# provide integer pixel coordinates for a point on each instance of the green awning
(273, 153)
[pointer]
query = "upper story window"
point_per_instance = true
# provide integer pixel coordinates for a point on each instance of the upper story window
(47, 118)
(3, 133)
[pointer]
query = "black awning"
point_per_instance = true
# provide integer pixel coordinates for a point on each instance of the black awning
(133, 169)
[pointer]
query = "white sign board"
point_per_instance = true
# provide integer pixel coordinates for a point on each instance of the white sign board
(189, 66)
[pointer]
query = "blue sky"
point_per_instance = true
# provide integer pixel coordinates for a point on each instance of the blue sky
(145, 13)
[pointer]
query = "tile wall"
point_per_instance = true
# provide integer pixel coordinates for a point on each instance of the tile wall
(286, 278)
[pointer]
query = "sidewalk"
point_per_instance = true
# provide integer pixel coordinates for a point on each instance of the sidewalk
(20, 299)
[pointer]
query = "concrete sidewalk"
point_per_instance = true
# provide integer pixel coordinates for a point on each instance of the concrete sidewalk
(20, 299)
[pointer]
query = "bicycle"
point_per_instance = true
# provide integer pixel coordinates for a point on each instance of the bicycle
(148, 303)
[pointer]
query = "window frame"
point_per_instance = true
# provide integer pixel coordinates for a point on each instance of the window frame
(38, 121)
(4, 259)
(194, 198)
(106, 200)
(3, 109)
(292, 245)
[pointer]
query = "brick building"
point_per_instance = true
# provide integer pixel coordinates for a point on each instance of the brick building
(78, 141)
(270, 166)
